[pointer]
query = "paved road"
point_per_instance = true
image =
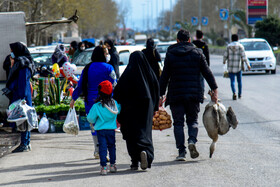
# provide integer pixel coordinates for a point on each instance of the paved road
(246, 156)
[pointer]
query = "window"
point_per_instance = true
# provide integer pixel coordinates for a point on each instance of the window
(124, 57)
(255, 46)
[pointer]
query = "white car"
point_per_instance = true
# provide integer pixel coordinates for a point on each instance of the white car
(162, 48)
(124, 52)
(259, 54)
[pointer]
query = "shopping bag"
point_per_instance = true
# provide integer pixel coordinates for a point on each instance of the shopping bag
(161, 120)
(44, 125)
(71, 125)
(226, 75)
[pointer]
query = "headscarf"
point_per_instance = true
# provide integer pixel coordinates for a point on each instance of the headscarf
(59, 53)
(137, 81)
(111, 44)
(22, 59)
(97, 56)
(150, 44)
(20, 49)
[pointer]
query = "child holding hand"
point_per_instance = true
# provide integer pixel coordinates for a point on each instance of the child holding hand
(104, 114)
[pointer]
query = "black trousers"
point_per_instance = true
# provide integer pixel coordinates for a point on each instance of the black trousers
(190, 109)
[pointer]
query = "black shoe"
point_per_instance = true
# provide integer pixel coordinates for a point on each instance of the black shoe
(234, 97)
(239, 96)
(144, 160)
(193, 151)
(133, 167)
(20, 148)
(181, 156)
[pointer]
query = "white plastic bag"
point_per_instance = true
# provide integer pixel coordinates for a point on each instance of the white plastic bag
(71, 125)
(43, 125)
(226, 75)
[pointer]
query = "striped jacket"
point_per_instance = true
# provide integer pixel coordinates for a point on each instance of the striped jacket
(235, 57)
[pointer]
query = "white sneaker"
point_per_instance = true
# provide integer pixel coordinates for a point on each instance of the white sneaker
(103, 170)
(113, 168)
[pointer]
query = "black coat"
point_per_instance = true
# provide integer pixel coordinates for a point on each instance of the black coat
(115, 61)
(7, 65)
(183, 67)
(138, 93)
(203, 45)
(153, 58)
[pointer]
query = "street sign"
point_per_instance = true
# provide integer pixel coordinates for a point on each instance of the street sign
(256, 10)
(194, 20)
(204, 21)
(224, 14)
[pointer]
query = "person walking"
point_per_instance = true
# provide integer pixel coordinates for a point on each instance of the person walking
(92, 75)
(59, 56)
(138, 93)
(199, 43)
(114, 56)
(21, 70)
(104, 114)
(184, 64)
(152, 56)
(235, 57)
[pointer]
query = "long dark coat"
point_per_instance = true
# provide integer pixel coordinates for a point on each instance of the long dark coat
(138, 93)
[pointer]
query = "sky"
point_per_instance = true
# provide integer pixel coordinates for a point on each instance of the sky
(143, 13)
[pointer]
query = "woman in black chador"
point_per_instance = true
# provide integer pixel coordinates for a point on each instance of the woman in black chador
(138, 93)
(152, 56)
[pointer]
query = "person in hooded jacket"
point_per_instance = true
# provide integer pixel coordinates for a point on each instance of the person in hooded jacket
(152, 56)
(81, 48)
(59, 56)
(137, 92)
(114, 56)
(183, 66)
(93, 74)
(22, 69)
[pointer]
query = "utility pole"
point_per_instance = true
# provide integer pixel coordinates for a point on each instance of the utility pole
(199, 15)
(152, 20)
(157, 16)
(143, 17)
(170, 27)
(230, 20)
(182, 11)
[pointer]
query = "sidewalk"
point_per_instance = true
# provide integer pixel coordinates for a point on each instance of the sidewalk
(7, 141)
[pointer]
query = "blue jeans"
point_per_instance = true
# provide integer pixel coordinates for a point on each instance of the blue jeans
(25, 138)
(106, 139)
(239, 81)
(191, 109)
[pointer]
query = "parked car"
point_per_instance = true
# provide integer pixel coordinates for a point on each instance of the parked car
(124, 51)
(43, 57)
(162, 48)
(259, 54)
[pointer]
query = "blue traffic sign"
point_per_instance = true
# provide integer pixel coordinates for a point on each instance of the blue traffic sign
(204, 20)
(194, 20)
(224, 14)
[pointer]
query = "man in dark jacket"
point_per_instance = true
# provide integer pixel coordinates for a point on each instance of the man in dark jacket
(184, 64)
(115, 59)
(199, 43)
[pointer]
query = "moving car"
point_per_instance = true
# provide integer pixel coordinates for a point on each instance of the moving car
(124, 52)
(259, 54)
